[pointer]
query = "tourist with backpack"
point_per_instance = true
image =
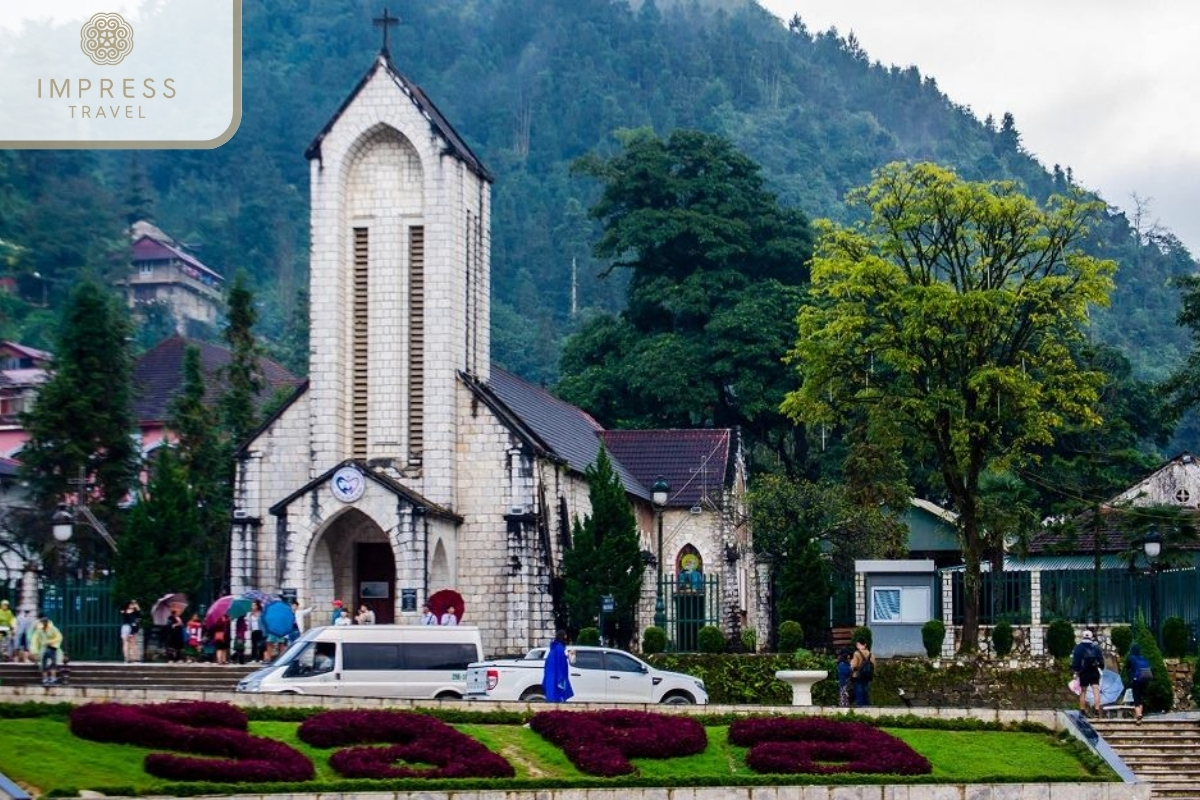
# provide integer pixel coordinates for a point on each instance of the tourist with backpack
(862, 672)
(1087, 661)
(1140, 675)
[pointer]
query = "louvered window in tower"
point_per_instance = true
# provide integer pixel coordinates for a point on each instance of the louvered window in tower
(416, 344)
(360, 337)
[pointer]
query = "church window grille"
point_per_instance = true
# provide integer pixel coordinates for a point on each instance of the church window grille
(416, 344)
(360, 338)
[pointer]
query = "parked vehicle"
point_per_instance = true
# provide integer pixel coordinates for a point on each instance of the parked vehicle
(409, 661)
(598, 675)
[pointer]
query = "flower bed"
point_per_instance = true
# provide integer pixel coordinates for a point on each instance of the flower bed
(415, 738)
(819, 746)
(602, 742)
(211, 729)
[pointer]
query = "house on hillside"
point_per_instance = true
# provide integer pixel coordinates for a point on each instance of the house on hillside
(164, 272)
(22, 372)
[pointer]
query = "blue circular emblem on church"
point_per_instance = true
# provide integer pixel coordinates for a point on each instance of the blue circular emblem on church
(348, 484)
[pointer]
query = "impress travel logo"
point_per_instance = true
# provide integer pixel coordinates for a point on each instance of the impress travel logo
(132, 74)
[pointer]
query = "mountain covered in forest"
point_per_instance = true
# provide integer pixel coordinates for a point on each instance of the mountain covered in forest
(533, 85)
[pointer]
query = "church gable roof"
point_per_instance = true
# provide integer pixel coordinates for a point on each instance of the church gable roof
(568, 432)
(419, 502)
(696, 463)
(455, 145)
(158, 375)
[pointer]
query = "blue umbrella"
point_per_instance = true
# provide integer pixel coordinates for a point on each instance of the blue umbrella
(278, 619)
(260, 596)
(1111, 688)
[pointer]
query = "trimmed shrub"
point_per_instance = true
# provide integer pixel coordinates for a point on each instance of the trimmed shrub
(1002, 639)
(1196, 684)
(1159, 695)
(710, 639)
(588, 637)
(1122, 637)
(823, 747)
(1060, 638)
(750, 640)
(791, 636)
(654, 640)
(1174, 637)
(602, 742)
(933, 633)
(863, 633)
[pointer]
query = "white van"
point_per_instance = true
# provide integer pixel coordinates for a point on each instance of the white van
(410, 661)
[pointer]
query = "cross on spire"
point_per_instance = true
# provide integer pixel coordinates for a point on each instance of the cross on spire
(386, 21)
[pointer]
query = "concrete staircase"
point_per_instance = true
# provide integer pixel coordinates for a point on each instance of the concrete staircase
(1164, 751)
(178, 677)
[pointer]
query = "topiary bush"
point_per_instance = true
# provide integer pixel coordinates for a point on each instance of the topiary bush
(791, 636)
(933, 633)
(710, 639)
(1174, 637)
(654, 640)
(863, 633)
(1002, 639)
(1160, 694)
(750, 640)
(1060, 638)
(589, 637)
(1196, 684)
(1122, 637)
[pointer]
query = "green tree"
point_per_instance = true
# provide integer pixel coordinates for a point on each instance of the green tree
(947, 318)
(159, 551)
(205, 456)
(605, 557)
(715, 268)
(242, 375)
(82, 422)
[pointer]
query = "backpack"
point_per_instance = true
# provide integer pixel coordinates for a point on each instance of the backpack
(866, 670)
(1141, 669)
(1091, 658)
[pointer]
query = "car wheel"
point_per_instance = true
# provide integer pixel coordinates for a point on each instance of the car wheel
(448, 696)
(533, 696)
(677, 700)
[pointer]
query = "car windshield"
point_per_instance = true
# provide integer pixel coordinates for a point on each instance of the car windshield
(289, 655)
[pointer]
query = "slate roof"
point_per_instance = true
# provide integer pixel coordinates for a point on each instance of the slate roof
(695, 462)
(1113, 534)
(148, 248)
(455, 145)
(158, 375)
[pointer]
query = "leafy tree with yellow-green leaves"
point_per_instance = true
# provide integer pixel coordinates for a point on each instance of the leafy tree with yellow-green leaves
(944, 323)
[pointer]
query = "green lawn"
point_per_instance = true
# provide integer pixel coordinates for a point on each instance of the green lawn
(43, 755)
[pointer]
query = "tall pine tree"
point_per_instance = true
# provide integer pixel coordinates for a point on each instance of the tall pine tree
(243, 377)
(605, 557)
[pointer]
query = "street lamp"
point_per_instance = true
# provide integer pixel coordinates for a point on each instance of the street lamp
(659, 493)
(1152, 547)
(65, 517)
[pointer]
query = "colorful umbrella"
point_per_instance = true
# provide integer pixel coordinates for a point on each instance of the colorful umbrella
(239, 607)
(162, 607)
(278, 619)
(263, 597)
(440, 601)
(218, 609)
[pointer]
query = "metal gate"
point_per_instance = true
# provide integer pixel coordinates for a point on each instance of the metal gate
(87, 614)
(689, 608)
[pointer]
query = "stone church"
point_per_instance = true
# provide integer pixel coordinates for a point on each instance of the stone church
(408, 466)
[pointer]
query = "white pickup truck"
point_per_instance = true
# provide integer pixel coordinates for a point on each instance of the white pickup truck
(598, 675)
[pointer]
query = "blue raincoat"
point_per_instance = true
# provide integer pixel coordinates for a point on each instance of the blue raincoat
(556, 679)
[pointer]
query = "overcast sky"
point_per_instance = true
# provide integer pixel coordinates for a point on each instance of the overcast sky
(1110, 88)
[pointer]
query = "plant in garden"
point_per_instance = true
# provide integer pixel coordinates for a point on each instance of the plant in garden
(933, 633)
(1175, 636)
(749, 640)
(817, 745)
(1002, 639)
(654, 640)
(588, 637)
(1121, 637)
(602, 742)
(791, 636)
(1160, 694)
(209, 729)
(710, 639)
(1060, 638)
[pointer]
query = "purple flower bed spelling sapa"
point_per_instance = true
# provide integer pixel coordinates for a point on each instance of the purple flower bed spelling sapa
(820, 746)
(602, 742)
(415, 739)
(210, 729)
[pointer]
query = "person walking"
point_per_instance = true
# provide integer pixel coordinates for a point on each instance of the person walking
(46, 646)
(131, 622)
(862, 672)
(25, 624)
(843, 677)
(1086, 662)
(257, 635)
(556, 673)
(1140, 675)
(8, 629)
(176, 635)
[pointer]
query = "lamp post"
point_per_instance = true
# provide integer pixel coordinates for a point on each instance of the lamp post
(1152, 547)
(659, 493)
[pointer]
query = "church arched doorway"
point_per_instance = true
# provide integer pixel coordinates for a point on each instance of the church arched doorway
(352, 561)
